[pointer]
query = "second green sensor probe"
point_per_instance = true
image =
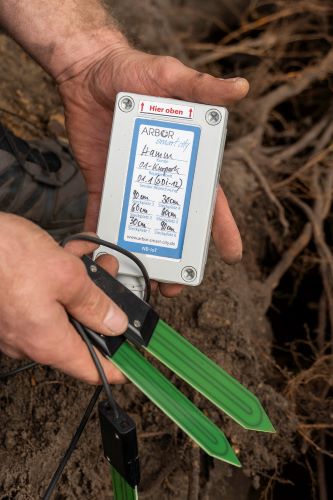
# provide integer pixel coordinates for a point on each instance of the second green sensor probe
(185, 360)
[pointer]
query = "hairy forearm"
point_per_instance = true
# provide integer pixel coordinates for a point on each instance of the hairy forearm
(61, 35)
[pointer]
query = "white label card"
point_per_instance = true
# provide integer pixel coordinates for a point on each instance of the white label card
(158, 187)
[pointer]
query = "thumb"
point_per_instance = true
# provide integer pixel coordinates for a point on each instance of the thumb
(87, 303)
(178, 80)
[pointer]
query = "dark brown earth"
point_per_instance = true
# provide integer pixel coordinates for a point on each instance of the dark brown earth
(244, 317)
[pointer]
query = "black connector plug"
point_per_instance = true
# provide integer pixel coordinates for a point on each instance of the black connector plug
(120, 442)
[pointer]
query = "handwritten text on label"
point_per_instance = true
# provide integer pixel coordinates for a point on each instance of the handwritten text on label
(158, 185)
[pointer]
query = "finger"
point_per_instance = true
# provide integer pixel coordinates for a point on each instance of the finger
(170, 289)
(81, 247)
(81, 365)
(188, 84)
(91, 218)
(154, 287)
(113, 374)
(66, 351)
(86, 302)
(109, 263)
(225, 231)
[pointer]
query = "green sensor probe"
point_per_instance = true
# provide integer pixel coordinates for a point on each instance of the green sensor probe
(182, 358)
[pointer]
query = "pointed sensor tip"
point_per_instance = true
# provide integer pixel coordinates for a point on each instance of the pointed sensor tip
(267, 424)
(231, 458)
(236, 462)
(271, 428)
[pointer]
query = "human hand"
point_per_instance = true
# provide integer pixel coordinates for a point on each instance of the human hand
(89, 94)
(83, 49)
(42, 282)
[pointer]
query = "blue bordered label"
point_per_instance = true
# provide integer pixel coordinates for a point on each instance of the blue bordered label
(158, 188)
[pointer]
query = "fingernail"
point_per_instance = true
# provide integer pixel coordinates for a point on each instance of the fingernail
(115, 320)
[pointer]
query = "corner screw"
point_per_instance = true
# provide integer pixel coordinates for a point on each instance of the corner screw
(93, 268)
(137, 323)
(213, 117)
(189, 273)
(126, 104)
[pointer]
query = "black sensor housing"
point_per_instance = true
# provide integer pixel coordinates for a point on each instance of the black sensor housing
(140, 314)
(120, 442)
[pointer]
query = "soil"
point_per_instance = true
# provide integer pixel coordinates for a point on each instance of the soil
(240, 316)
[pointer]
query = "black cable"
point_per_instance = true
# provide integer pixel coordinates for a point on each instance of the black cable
(20, 369)
(81, 330)
(63, 462)
(73, 443)
(116, 248)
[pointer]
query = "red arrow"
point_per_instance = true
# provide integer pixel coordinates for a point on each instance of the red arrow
(142, 104)
(190, 112)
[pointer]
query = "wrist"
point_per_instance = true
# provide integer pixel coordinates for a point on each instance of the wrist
(75, 54)
(62, 36)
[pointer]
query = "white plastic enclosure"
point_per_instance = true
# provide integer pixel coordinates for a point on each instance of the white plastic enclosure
(160, 184)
